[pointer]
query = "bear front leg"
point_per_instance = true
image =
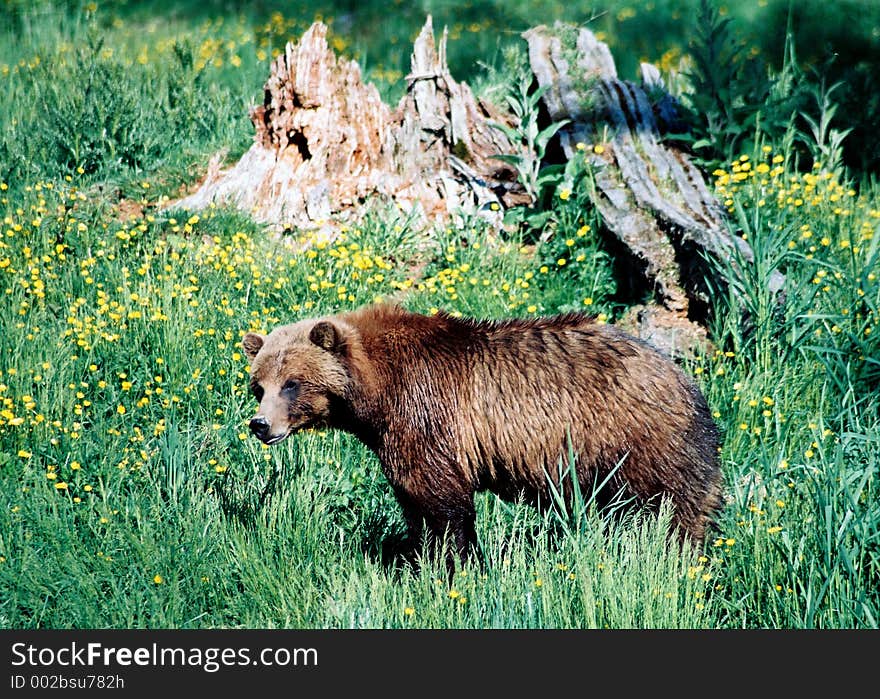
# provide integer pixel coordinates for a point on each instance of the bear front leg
(441, 520)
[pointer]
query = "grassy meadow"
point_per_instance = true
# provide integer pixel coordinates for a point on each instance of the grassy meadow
(131, 494)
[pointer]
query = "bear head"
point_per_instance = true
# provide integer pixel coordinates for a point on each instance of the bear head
(298, 376)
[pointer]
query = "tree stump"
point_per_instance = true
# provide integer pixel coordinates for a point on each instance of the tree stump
(652, 199)
(325, 142)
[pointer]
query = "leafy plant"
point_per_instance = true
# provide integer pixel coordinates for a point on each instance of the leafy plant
(534, 176)
(102, 124)
(733, 96)
(825, 143)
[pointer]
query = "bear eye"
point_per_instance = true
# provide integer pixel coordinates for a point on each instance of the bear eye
(257, 390)
(290, 387)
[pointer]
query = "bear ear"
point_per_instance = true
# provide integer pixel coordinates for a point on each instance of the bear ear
(327, 336)
(251, 343)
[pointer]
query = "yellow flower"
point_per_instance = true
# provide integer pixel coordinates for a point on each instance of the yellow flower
(409, 611)
(158, 579)
(24, 454)
(598, 149)
(565, 194)
(120, 409)
(61, 486)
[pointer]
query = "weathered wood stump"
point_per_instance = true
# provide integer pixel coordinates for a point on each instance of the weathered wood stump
(325, 142)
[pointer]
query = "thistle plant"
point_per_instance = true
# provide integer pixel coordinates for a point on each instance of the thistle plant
(530, 137)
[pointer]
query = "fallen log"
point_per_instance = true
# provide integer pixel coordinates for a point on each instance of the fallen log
(653, 201)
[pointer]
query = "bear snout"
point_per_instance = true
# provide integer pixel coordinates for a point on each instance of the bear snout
(260, 427)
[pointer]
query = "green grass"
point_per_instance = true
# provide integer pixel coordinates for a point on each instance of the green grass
(132, 496)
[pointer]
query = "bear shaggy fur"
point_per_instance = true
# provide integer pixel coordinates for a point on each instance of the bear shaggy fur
(453, 406)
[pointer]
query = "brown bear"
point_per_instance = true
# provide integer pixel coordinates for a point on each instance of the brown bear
(453, 406)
